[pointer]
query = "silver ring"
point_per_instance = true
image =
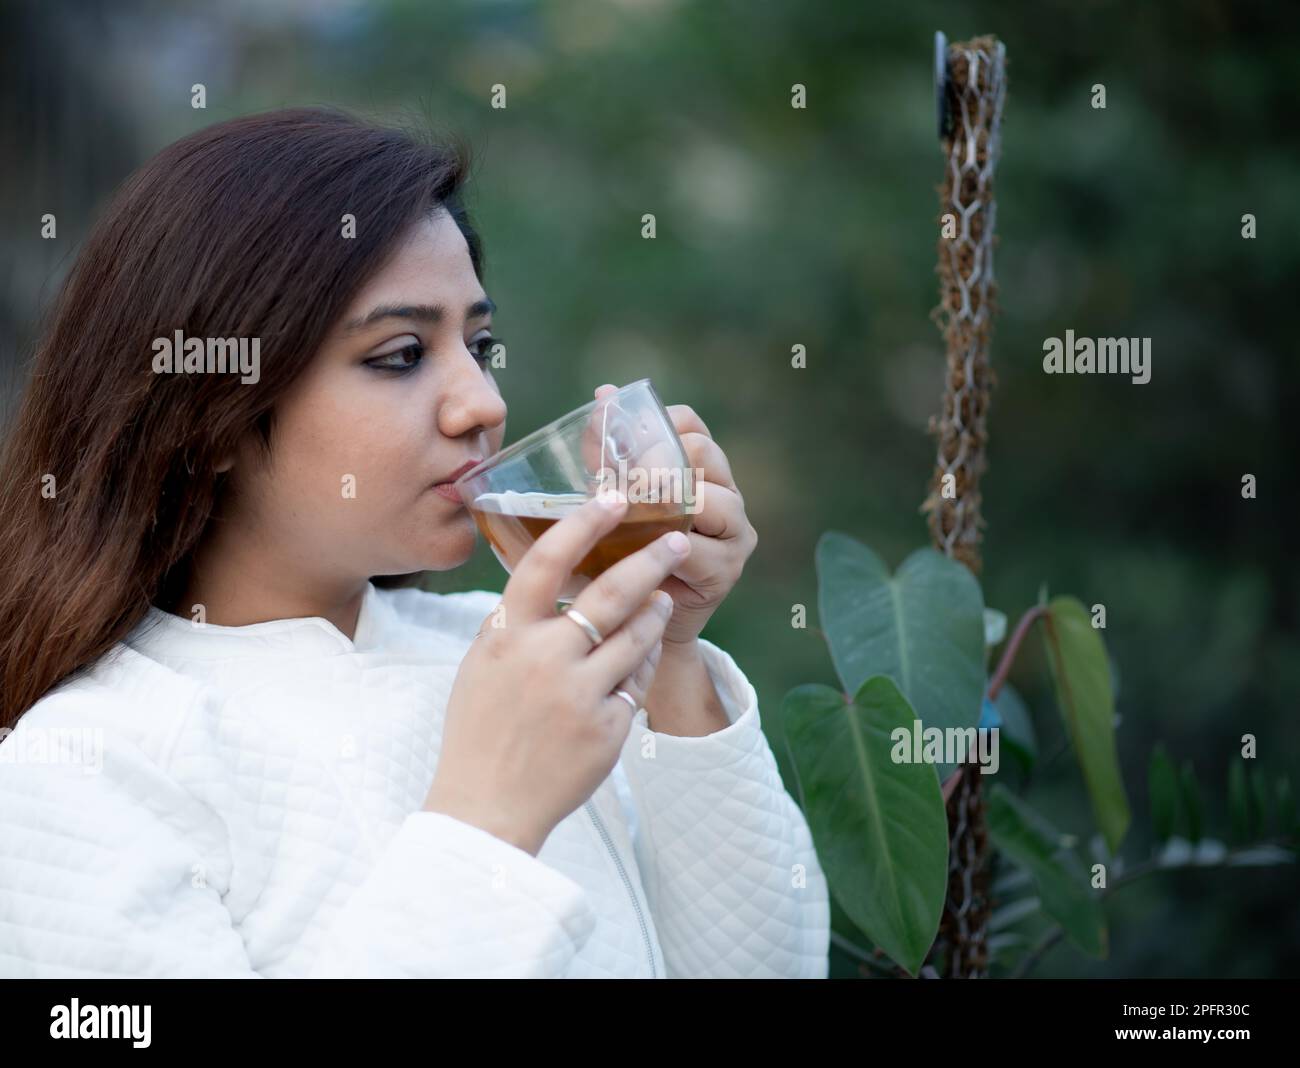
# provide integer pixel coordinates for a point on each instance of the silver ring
(569, 612)
(629, 699)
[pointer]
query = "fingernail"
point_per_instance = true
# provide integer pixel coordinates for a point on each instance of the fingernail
(679, 542)
(662, 601)
(611, 499)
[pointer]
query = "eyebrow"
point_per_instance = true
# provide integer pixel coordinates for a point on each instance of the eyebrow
(428, 313)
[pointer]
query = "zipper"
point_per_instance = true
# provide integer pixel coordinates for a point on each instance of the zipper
(631, 893)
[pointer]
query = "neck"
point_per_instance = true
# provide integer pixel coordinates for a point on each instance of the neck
(238, 586)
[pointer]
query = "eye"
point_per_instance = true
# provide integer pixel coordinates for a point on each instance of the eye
(400, 360)
(485, 353)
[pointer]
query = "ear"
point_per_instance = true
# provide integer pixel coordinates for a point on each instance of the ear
(237, 452)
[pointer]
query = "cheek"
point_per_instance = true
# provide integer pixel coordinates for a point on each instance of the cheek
(340, 453)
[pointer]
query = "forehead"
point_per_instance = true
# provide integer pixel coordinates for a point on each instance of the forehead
(432, 261)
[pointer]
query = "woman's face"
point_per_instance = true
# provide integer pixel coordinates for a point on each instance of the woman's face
(400, 396)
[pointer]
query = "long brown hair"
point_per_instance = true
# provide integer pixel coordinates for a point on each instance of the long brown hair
(108, 474)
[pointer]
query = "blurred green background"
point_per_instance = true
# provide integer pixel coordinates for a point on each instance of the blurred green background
(777, 227)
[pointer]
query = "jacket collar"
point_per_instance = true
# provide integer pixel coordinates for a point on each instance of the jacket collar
(162, 633)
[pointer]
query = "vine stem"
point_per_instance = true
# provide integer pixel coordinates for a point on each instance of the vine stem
(1000, 677)
(1147, 867)
(1013, 647)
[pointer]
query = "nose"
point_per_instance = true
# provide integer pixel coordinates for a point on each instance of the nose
(469, 401)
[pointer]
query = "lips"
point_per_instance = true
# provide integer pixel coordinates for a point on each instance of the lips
(458, 472)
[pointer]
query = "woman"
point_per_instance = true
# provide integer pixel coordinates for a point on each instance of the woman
(235, 754)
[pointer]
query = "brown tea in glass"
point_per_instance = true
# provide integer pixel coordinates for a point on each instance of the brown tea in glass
(625, 440)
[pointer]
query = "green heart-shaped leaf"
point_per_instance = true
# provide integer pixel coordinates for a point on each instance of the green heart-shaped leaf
(922, 626)
(880, 827)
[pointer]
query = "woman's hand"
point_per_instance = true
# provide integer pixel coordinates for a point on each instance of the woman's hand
(533, 725)
(721, 535)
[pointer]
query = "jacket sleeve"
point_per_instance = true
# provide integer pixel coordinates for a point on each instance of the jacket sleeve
(726, 856)
(119, 871)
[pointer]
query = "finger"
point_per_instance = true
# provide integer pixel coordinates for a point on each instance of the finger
(706, 455)
(542, 571)
(712, 562)
(492, 621)
(654, 462)
(619, 655)
(618, 591)
(596, 450)
(644, 675)
(639, 682)
(624, 443)
(687, 420)
(617, 715)
(720, 513)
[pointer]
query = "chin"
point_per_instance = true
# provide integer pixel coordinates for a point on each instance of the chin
(449, 547)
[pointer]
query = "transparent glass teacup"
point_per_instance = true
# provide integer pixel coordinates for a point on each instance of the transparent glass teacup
(623, 441)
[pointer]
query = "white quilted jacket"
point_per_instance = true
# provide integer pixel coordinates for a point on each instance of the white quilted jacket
(246, 802)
